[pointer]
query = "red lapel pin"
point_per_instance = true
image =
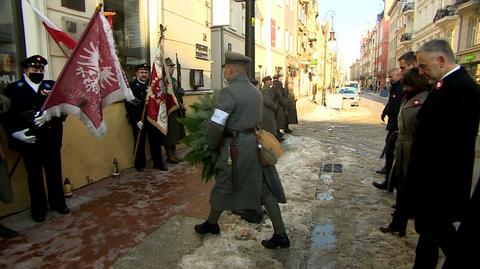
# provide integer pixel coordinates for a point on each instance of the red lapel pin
(438, 85)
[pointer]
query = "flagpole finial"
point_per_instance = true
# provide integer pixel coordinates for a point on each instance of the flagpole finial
(99, 7)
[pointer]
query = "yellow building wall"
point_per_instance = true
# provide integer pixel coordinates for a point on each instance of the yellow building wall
(85, 158)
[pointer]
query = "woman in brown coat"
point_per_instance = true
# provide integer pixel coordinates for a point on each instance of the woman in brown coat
(415, 89)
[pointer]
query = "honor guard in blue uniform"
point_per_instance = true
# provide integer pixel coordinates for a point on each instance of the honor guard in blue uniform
(134, 109)
(37, 140)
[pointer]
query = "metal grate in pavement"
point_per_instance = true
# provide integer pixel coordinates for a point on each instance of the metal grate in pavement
(333, 167)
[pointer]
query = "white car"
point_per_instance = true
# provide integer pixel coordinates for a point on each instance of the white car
(350, 93)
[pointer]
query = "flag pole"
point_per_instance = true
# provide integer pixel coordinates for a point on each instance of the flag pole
(63, 50)
(149, 92)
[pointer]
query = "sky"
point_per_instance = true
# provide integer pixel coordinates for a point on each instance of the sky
(352, 19)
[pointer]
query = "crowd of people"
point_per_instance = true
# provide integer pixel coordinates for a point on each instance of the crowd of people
(433, 118)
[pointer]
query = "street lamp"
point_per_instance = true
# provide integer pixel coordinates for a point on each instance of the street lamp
(331, 38)
(250, 35)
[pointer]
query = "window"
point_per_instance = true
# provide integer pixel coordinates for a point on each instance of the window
(78, 5)
(263, 32)
(287, 44)
(291, 43)
(11, 42)
(130, 32)
(280, 38)
(473, 36)
(258, 29)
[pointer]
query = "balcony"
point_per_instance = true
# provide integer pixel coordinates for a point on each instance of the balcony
(445, 16)
(406, 38)
(465, 5)
(408, 8)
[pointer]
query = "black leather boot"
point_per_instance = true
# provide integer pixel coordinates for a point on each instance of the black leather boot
(392, 230)
(207, 227)
(277, 240)
(381, 186)
(7, 233)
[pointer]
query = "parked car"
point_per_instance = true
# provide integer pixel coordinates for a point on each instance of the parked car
(350, 93)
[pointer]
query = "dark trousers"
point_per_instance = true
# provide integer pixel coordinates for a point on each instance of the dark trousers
(434, 235)
(468, 237)
(39, 159)
(154, 139)
(389, 152)
(170, 150)
(400, 215)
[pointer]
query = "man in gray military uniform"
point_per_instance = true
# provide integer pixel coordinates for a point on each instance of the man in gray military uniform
(176, 130)
(241, 182)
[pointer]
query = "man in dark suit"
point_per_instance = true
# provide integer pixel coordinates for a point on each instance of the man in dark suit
(391, 111)
(440, 170)
(37, 140)
(134, 114)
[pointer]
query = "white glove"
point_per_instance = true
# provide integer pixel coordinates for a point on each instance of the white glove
(140, 125)
(40, 120)
(20, 135)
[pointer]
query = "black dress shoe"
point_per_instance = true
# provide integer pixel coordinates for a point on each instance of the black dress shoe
(381, 186)
(288, 131)
(38, 218)
(7, 233)
(206, 228)
(381, 172)
(140, 169)
(62, 209)
(277, 240)
(390, 229)
(160, 167)
(172, 161)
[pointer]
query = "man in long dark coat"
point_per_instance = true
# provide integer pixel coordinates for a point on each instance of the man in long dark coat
(440, 172)
(269, 122)
(241, 182)
(391, 111)
(282, 101)
(38, 141)
(291, 117)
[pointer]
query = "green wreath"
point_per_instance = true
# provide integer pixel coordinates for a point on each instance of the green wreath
(197, 124)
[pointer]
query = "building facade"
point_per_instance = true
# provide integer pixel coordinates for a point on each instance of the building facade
(412, 24)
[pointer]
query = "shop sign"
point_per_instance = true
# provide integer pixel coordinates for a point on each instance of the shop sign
(201, 52)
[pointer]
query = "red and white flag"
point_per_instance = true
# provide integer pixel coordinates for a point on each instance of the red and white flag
(55, 32)
(91, 79)
(161, 100)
